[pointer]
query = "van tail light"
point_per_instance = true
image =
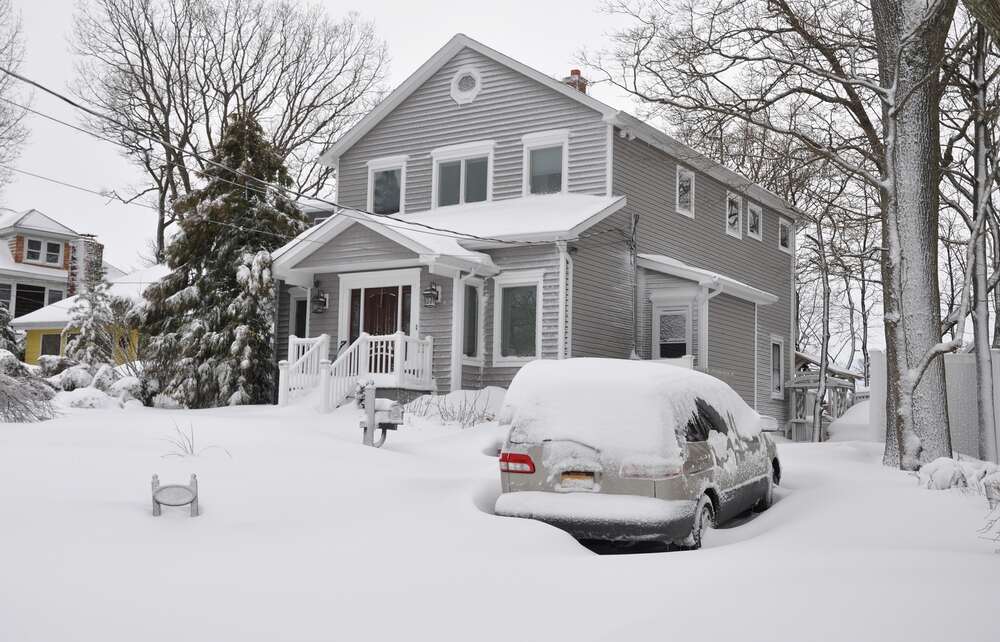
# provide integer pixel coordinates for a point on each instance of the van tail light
(516, 463)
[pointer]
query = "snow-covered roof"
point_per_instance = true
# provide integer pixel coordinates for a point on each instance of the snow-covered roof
(34, 220)
(673, 267)
(471, 227)
(57, 315)
(802, 358)
(626, 122)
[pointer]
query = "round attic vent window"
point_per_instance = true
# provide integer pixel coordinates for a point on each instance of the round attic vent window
(465, 85)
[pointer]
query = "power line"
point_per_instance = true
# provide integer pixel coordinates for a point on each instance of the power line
(430, 228)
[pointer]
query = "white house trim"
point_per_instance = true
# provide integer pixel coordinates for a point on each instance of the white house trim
(382, 278)
(479, 359)
(542, 140)
(738, 231)
(707, 278)
(465, 97)
(513, 278)
(677, 193)
(780, 341)
(43, 251)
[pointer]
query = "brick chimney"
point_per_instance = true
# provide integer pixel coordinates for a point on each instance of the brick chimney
(86, 264)
(576, 81)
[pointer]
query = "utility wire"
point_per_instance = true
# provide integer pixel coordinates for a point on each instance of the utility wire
(441, 231)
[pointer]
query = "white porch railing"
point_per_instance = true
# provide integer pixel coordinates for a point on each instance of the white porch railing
(302, 369)
(392, 360)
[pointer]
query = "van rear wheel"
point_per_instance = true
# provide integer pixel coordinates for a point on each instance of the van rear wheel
(704, 519)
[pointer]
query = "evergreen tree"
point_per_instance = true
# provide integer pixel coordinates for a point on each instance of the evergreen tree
(8, 338)
(92, 327)
(209, 321)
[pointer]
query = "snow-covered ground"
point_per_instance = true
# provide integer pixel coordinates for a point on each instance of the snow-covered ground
(305, 534)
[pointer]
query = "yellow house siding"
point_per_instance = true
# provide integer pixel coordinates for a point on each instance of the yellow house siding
(33, 345)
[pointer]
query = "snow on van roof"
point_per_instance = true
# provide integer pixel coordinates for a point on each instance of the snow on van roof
(620, 407)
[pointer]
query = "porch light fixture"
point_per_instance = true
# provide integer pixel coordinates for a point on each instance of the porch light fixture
(431, 295)
(320, 302)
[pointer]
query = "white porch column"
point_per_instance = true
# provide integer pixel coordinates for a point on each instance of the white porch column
(457, 330)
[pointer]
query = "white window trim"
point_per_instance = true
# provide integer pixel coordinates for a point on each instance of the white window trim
(382, 278)
(725, 216)
(381, 165)
(294, 298)
(480, 358)
(677, 193)
(754, 207)
(791, 236)
(465, 97)
(542, 140)
(675, 306)
(515, 278)
(41, 256)
(780, 341)
(13, 296)
(462, 152)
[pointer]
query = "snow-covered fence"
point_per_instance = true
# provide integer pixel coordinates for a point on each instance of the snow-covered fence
(960, 371)
(302, 369)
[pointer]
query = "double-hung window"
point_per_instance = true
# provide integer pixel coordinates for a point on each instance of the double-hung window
(387, 185)
(53, 296)
(39, 251)
(777, 367)
(734, 215)
(517, 317)
(684, 199)
(755, 221)
(462, 173)
(545, 162)
(6, 294)
(785, 236)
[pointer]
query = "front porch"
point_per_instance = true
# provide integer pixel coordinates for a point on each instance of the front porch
(389, 361)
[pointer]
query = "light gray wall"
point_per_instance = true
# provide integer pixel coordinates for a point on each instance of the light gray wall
(436, 322)
(730, 344)
(651, 282)
(356, 244)
(508, 106)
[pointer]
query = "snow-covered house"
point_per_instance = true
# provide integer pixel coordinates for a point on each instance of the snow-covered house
(488, 213)
(44, 327)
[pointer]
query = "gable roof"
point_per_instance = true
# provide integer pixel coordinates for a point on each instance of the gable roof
(34, 220)
(628, 124)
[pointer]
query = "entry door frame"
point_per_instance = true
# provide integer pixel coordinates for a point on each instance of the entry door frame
(379, 279)
(681, 300)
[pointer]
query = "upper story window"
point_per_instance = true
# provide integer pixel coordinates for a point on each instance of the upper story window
(685, 192)
(462, 173)
(54, 296)
(387, 185)
(755, 221)
(785, 237)
(777, 367)
(545, 161)
(734, 215)
(465, 85)
(39, 251)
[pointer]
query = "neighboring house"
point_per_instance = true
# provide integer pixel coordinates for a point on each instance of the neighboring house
(44, 327)
(42, 261)
(541, 184)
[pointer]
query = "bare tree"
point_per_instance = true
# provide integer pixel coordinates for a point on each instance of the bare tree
(12, 130)
(855, 84)
(168, 73)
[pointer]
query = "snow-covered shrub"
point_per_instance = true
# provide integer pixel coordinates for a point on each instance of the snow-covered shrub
(965, 472)
(86, 397)
(24, 399)
(463, 407)
(71, 378)
(52, 364)
(10, 365)
(104, 378)
(126, 389)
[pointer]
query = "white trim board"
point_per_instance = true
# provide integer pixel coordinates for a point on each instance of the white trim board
(515, 278)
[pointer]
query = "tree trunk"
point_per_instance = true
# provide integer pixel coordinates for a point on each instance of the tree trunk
(981, 310)
(910, 44)
(824, 349)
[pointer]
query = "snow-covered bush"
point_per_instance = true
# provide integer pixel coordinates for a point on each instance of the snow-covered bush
(10, 365)
(945, 473)
(88, 397)
(126, 389)
(104, 378)
(78, 376)
(463, 407)
(100, 328)
(52, 364)
(23, 396)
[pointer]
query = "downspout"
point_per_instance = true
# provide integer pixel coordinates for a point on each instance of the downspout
(274, 336)
(755, 372)
(457, 329)
(561, 335)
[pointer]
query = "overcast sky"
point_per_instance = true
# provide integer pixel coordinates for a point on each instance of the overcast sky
(545, 34)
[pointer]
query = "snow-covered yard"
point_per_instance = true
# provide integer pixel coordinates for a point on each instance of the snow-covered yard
(305, 534)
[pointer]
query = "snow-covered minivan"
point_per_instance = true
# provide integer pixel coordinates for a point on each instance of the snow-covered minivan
(623, 450)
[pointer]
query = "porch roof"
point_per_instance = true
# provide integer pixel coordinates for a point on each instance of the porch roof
(725, 284)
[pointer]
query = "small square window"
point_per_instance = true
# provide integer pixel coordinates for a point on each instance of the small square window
(685, 192)
(34, 251)
(386, 191)
(51, 344)
(546, 165)
(755, 221)
(734, 216)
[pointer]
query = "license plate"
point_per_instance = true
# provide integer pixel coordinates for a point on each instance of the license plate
(576, 477)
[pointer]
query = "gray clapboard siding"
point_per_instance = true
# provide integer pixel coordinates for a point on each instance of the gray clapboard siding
(535, 257)
(508, 106)
(356, 244)
(647, 177)
(730, 345)
(651, 282)
(281, 332)
(326, 322)
(436, 322)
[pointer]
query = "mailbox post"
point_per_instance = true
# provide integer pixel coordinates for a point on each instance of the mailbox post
(380, 414)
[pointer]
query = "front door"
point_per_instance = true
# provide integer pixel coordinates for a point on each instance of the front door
(380, 310)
